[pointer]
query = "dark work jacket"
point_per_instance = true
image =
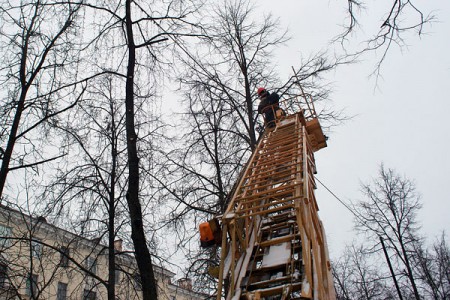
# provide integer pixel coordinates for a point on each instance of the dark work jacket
(268, 106)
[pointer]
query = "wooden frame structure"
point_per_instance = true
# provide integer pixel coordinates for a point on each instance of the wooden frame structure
(273, 242)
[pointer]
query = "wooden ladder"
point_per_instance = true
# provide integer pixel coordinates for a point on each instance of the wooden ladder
(273, 245)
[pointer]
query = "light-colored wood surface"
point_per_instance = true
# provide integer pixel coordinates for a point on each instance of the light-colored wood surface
(274, 206)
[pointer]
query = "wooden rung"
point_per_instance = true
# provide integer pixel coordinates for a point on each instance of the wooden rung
(279, 136)
(272, 210)
(267, 204)
(277, 290)
(279, 240)
(286, 141)
(265, 283)
(268, 171)
(271, 180)
(263, 171)
(282, 224)
(267, 192)
(292, 197)
(280, 151)
(280, 218)
(271, 162)
(267, 197)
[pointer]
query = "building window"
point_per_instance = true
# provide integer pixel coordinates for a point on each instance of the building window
(62, 291)
(91, 265)
(64, 257)
(89, 295)
(36, 249)
(3, 276)
(5, 234)
(32, 285)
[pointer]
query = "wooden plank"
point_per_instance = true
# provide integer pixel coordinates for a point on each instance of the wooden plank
(272, 210)
(267, 192)
(277, 290)
(262, 172)
(280, 151)
(281, 148)
(264, 283)
(266, 184)
(279, 240)
(282, 139)
(263, 177)
(272, 163)
(267, 204)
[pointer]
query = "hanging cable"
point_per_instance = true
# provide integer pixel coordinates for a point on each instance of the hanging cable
(334, 195)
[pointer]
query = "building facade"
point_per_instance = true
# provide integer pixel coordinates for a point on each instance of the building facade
(41, 261)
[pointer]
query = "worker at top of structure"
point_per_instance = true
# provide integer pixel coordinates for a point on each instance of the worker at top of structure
(268, 106)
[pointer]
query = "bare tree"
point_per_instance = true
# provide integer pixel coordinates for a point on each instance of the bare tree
(390, 212)
(393, 261)
(92, 174)
(137, 229)
(399, 19)
(432, 269)
(37, 40)
(137, 29)
(237, 61)
(357, 276)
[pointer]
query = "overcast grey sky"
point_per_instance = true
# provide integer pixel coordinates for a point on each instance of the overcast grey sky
(403, 122)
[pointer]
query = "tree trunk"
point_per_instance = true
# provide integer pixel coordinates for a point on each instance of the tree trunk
(18, 115)
(409, 269)
(11, 141)
(251, 120)
(249, 102)
(112, 214)
(142, 253)
(25, 83)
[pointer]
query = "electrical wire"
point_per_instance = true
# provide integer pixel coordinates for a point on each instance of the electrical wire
(334, 195)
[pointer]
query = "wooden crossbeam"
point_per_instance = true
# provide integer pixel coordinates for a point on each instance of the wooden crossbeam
(276, 241)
